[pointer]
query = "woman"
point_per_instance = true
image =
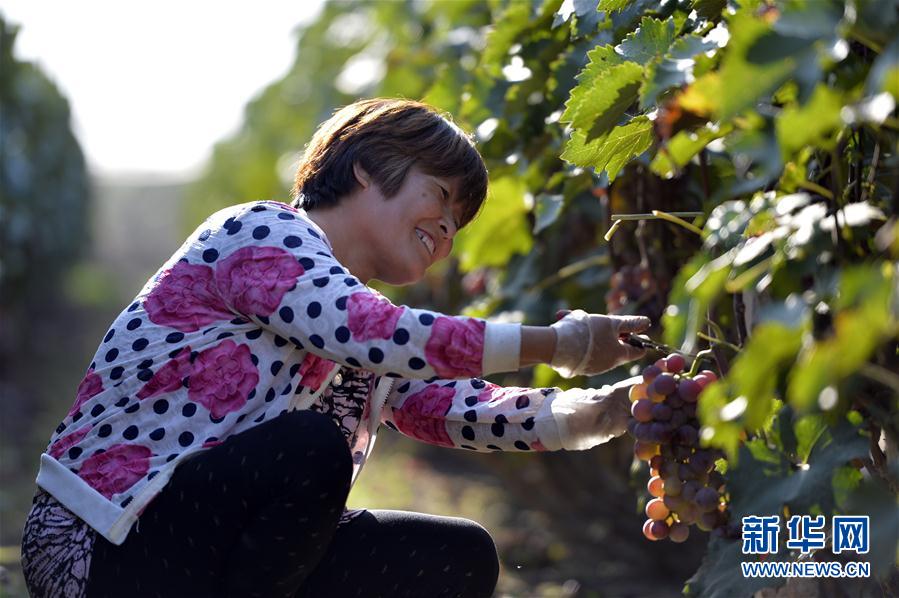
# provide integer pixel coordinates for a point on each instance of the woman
(229, 409)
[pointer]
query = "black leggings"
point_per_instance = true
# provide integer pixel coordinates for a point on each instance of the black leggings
(258, 516)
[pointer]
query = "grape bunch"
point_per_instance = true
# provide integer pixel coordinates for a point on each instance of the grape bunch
(633, 290)
(686, 488)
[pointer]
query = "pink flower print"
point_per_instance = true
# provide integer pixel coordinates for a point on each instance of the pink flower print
(222, 377)
(314, 370)
(456, 347)
(423, 414)
(169, 377)
(116, 469)
(253, 280)
(58, 448)
(91, 386)
(495, 393)
(185, 298)
(371, 316)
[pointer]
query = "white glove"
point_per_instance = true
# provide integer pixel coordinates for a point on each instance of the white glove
(588, 344)
(590, 416)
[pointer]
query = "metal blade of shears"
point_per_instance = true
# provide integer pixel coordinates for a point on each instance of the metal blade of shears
(644, 342)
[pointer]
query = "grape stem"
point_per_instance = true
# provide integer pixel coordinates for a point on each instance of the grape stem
(824, 192)
(679, 221)
(718, 341)
(700, 357)
(655, 215)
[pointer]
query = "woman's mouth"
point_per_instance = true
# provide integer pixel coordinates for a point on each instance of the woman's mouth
(426, 239)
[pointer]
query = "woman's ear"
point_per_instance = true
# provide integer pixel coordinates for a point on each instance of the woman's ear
(362, 177)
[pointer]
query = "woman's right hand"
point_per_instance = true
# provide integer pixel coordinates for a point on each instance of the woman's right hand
(588, 344)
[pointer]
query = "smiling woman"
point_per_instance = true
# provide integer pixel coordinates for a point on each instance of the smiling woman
(233, 403)
(399, 164)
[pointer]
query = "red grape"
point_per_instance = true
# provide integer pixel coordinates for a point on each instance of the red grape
(645, 450)
(637, 391)
(675, 363)
(673, 486)
(665, 384)
(655, 486)
(688, 390)
(679, 532)
(642, 410)
(709, 374)
(706, 499)
(650, 373)
(659, 530)
(661, 412)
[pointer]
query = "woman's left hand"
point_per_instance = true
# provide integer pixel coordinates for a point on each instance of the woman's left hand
(587, 417)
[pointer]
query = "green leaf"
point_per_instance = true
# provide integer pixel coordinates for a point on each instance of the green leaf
(651, 40)
(602, 60)
(681, 148)
(499, 231)
(771, 348)
(884, 74)
(709, 9)
(755, 55)
(610, 6)
(811, 124)
(858, 331)
(718, 575)
(674, 70)
(548, 207)
(808, 429)
(675, 318)
(874, 499)
(610, 96)
(610, 152)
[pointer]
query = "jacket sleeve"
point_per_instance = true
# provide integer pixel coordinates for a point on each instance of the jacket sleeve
(273, 266)
(478, 415)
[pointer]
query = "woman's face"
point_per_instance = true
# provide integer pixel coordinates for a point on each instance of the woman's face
(413, 229)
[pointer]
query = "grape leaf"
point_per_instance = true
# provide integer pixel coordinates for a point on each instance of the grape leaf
(758, 55)
(609, 6)
(610, 95)
(674, 69)
(651, 40)
(499, 231)
(812, 124)
(884, 75)
(610, 152)
(857, 334)
(548, 207)
(681, 148)
(709, 9)
(602, 59)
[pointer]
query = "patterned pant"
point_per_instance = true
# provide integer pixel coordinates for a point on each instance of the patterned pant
(258, 516)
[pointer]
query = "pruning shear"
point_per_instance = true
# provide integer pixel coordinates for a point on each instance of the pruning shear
(644, 342)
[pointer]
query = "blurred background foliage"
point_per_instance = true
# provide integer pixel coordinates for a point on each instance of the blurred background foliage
(775, 120)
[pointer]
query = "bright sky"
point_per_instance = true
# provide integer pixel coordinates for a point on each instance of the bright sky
(154, 85)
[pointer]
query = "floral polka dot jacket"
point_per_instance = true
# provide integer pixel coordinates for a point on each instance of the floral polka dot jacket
(251, 317)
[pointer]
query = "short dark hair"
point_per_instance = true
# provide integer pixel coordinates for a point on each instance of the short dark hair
(387, 137)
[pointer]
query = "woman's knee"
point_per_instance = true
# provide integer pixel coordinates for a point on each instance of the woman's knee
(481, 561)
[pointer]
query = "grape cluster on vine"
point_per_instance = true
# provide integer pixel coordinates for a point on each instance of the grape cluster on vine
(685, 486)
(634, 290)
